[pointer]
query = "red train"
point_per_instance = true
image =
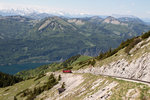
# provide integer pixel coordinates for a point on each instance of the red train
(67, 71)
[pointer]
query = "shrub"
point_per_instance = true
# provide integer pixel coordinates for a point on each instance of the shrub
(8, 80)
(69, 61)
(63, 85)
(59, 77)
(131, 45)
(39, 76)
(15, 98)
(111, 52)
(93, 62)
(31, 94)
(146, 35)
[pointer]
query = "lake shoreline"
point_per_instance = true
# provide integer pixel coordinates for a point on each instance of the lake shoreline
(15, 68)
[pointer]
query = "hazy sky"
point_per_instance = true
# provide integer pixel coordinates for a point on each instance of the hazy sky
(140, 8)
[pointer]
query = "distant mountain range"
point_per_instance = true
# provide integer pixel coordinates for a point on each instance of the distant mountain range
(27, 40)
(40, 14)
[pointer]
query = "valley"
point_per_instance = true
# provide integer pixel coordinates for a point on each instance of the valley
(114, 76)
(25, 40)
(74, 50)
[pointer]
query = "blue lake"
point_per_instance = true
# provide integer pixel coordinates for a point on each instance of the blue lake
(12, 69)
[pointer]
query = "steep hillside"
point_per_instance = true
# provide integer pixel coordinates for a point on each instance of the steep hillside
(29, 89)
(14, 26)
(77, 87)
(67, 64)
(91, 87)
(130, 62)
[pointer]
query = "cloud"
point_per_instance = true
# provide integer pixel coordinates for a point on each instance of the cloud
(148, 12)
(132, 4)
(129, 11)
(8, 6)
(40, 9)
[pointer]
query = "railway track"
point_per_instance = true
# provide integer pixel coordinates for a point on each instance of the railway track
(126, 79)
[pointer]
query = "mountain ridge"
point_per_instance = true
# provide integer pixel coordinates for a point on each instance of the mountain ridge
(45, 39)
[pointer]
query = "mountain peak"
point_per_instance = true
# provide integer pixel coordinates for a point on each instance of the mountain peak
(55, 23)
(95, 17)
(77, 21)
(110, 17)
(129, 19)
(111, 20)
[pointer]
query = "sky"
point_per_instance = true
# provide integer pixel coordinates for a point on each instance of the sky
(139, 8)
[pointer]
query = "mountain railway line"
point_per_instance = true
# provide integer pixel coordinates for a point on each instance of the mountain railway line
(126, 79)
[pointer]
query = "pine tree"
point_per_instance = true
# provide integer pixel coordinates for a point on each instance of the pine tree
(63, 85)
(59, 77)
(15, 98)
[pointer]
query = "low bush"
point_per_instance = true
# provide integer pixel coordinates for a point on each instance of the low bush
(31, 94)
(146, 35)
(132, 44)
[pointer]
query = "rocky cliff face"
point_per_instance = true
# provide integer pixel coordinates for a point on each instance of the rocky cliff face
(137, 68)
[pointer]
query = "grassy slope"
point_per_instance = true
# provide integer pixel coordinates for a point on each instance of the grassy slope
(118, 92)
(80, 59)
(122, 55)
(8, 93)
(85, 89)
(51, 67)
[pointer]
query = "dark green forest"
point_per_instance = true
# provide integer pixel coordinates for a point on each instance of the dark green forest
(8, 80)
